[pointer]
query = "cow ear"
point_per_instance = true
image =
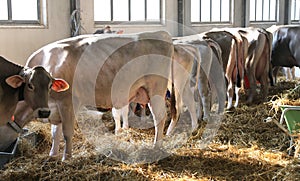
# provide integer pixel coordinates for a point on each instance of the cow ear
(15, 81)
(59, 85)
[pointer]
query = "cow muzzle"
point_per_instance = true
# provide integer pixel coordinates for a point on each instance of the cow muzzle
(43, 113)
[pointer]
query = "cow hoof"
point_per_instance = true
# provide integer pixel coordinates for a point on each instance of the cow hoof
(195, 127)
(118, 131)
(66, 157)
(206, 118)
(230, 110)
(53, 158)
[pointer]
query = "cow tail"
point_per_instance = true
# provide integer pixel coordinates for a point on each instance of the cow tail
(173, 98)
(238, 75)
(269, 38)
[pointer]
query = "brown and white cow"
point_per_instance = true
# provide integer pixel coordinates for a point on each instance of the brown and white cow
(30, 85)
(249, 54)
(106, 71)
(231, 44)
(206, 76)
(257, 62)
(184, 79)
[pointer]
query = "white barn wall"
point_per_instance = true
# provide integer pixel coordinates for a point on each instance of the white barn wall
(19, 42)
(170, 15)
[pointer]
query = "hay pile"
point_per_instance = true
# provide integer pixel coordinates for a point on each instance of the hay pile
(245, 148)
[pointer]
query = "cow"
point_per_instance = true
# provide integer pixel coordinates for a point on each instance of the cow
(257, 62)
(106, 71)
(231, 44)
(247, 58)
(30, 85)
(206, 74)
(285, 44)
(184, 79)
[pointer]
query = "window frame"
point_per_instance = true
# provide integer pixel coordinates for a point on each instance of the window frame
(145, 22)
(10, 21)
(292, 16)
(230, 21)
(265, 21)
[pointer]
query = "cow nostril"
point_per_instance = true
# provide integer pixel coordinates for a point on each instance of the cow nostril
(44, 113)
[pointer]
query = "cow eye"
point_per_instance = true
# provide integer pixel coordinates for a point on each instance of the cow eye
(30, 86)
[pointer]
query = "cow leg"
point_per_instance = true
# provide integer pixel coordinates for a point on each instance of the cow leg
(275, 71)
(237, 96)
(67, 115)
(117, 114)
(132, 109)
(56, 134)
(117, 117)
(205, 99)
(293, 73)
(124, 112)
(229, 95)
(253, 86)
(158, 109)
(175, 117)
(264, 86)
(191, 105)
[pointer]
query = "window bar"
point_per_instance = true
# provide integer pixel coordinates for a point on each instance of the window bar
(111, 10)
(270, 10)
(129, 10)
(200, 11)
(220, 10)
(297, 18)
(210, 13)
(255, 9)
(160, 10)
(146, 7)
(262, 9)
(9, 10)
(39, 11)
(230, 11)
(276, 14)
(295, 3)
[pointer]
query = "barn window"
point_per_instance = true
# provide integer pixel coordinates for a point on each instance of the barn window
(118, 11)
(263, 10)
(211, 11)
(295, 11)
(20, 11)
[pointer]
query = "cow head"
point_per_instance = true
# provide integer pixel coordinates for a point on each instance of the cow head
(35, 85)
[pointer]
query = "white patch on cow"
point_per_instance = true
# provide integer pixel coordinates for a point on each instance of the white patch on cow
(237, 89)
(117, 114)
(229, 104)
(56, 132)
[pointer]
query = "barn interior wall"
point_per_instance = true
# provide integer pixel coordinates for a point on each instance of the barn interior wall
(19, 42)
(170, 23)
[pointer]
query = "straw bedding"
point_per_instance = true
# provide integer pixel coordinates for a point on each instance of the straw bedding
(244, 148)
